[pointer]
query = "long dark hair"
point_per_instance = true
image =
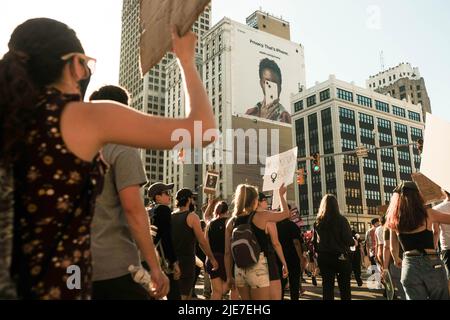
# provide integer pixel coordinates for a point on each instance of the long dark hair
(32, 63)
(328, 212)
(406, 211)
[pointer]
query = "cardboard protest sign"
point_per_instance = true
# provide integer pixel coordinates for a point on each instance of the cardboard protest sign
(156, 20)
(430, 191)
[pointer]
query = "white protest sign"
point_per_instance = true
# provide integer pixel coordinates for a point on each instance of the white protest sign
(280, 169)
(436, 153)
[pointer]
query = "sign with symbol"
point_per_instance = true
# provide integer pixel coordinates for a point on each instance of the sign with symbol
(280, 169)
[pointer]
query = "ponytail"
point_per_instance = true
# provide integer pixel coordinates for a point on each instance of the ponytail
(18, 96)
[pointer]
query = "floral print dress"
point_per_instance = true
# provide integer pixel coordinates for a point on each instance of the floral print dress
(54, 196)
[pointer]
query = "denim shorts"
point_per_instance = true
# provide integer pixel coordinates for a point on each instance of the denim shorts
(424, 278)
(254, 277)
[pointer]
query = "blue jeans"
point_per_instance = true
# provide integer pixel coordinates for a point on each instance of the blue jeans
(424, 277)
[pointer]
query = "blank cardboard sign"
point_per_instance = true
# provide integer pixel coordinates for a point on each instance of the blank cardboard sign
(156, 20)
(430, 191)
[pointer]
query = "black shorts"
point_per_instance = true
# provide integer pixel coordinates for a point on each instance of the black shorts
(219, 273)
(187, 279)
(123, 288)
(272, 263)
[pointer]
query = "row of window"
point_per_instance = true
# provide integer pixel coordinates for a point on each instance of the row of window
(346, 113)
(373, 195)
(405, 169)
(404, 155)
(401, 128)
(399, 111)
(390, 182)
(369, 163)
(382, 123)
(387, 152)
(364, 101)
(348, 128)
(348, 144)
(372, 179)
(367, 133)
(416, 132)
(365, 118)
(385, 137)
(353, 193)
(344, 95)
(351, 176)
(390, 167)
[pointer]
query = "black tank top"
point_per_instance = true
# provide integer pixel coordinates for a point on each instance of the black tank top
(417, 241)
(183, 236)
(260, 235)
(216, 235)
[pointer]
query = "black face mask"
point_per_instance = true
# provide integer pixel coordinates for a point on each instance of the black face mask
(84, 85)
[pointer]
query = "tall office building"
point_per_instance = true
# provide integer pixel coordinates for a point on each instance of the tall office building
(240, 66)
(336, 116)
(402, 82)
(148, 92)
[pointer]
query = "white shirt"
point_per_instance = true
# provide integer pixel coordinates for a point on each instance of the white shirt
(445, 228)
(379, 232)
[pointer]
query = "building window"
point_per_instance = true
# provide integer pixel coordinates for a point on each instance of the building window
(346, 113)
(399, 111)
(345, 95)
(365, 118)
(325, 95)
(402, 89)
(382, 123)
(414, 116)
(364, 101)
(401, 128)
(310, 101)
(298, 106)
(416, 132)
(382, 106)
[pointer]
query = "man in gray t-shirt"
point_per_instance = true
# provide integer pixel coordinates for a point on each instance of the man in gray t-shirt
(121, 225)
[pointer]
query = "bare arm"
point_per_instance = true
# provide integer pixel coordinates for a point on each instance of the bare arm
(395, 248)
(438, 217)
(271, 229)
(436, 234)
(86, 127)
(139, 225)
(228, 258)
(386, 255)
(194, 222)
(208, 216)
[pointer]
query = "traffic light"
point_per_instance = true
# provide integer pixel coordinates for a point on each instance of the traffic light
(301, 177)
(420, 145)
(316, 162)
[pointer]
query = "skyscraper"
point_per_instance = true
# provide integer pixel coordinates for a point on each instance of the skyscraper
(402, 82)
(148, 92)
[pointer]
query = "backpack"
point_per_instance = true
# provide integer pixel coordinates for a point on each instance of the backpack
(244, 245)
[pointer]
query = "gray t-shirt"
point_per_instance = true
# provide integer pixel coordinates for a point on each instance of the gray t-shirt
(113, 247)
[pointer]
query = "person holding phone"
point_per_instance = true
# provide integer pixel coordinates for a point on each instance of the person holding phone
(271, 81)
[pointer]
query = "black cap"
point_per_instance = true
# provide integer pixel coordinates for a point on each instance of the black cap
(184, 194)
(262, 196)
(158, 188)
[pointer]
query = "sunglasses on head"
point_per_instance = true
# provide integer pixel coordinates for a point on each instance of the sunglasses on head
(88, 62)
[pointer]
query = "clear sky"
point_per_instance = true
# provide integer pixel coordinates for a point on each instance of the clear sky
(341, 37)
